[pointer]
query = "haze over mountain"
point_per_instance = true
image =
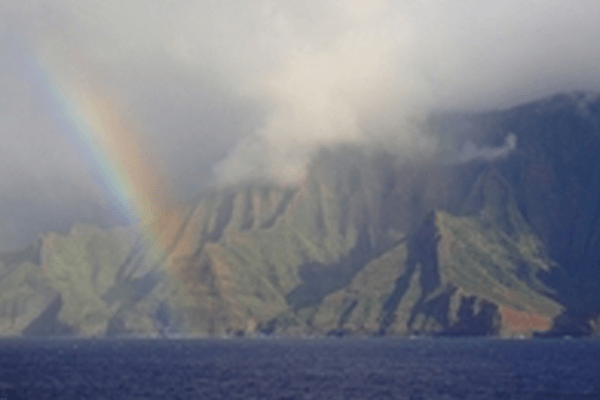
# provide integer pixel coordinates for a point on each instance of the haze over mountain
(496, 235)
(253, 91)
(318, 175)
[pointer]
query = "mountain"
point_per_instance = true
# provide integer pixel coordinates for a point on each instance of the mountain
(496, 243)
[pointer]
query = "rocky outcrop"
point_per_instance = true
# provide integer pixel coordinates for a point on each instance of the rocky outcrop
(366, 244)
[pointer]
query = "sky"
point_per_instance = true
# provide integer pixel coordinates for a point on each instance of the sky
(229, 92)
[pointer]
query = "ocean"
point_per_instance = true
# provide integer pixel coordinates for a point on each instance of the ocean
(289, 369)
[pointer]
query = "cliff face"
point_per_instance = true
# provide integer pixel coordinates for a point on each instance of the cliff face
(365, 244)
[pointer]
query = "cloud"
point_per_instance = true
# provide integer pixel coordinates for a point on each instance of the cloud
(471, 152)
(369, 72)
(234, 91)
(352, 83)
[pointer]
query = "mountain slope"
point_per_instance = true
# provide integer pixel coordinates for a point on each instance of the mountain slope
(366, 244)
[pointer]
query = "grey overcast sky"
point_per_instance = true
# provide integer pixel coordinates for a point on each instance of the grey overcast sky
(235, 90)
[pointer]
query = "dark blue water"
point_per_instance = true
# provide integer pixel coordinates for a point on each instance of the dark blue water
(300, 369)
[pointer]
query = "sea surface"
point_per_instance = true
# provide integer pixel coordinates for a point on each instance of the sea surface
(326, 369)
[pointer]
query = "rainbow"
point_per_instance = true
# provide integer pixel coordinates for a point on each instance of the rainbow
(120, 158)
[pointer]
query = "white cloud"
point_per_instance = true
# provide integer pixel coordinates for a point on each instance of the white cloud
(257, 87)
(470, 152)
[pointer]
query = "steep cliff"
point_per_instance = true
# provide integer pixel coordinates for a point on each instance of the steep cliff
(366, 244)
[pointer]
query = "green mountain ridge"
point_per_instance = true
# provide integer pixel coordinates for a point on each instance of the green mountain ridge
(365, 245)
